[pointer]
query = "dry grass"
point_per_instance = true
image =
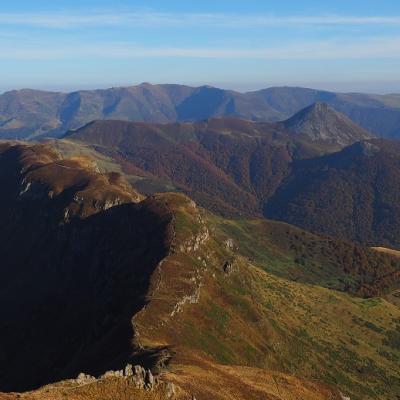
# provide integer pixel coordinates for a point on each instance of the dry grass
(293, 340)
(209, 380)
(108, 389)
(204, 379)
(387, 251)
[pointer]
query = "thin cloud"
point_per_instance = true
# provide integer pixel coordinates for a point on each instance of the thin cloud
(157, 19)
(371, 48)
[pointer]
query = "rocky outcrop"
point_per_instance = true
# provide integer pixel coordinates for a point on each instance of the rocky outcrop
(142, 378)
(193, 244)
(320, 122)
(200, 233)
(84, 379)
(188, 299)
(137, 375)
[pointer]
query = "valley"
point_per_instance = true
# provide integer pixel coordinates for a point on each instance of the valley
(238, 168)
(221, 300)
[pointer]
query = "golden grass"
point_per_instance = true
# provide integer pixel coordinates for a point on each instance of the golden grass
(203, 379)
(388, 251)
(108, 389)
(210, 380)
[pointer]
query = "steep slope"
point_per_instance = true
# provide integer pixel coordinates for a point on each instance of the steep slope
(77, 252)
(352, 194)
(321, 123)
(212, 304)
(238, 311)
(30, 113)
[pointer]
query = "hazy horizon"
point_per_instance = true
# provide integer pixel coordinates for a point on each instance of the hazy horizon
(341, 87)
(340, 46)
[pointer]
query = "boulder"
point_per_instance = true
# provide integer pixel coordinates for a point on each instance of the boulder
(84, 379)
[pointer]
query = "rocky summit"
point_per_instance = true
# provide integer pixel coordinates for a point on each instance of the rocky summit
(320, 122)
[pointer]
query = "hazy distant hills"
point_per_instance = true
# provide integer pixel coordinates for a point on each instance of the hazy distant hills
(31, 113)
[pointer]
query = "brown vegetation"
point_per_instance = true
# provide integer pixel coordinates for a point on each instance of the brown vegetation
(236, 168)
(112, 281)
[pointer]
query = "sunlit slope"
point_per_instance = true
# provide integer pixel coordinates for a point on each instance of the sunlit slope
(225, 309)
(235, 312)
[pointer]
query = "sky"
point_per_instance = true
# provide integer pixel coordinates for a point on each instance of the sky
(342, 45)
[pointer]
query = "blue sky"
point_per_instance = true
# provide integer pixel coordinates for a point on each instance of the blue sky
(334, 44)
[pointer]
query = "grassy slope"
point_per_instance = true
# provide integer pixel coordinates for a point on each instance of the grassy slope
(299, 255)
(213, 381)
(145, 183)
(294, 337)
(257, 318)
(110, 389)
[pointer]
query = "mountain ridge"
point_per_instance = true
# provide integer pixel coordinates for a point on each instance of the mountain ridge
(235, 167)
(30, 113)
(350, 194)
(224, 309)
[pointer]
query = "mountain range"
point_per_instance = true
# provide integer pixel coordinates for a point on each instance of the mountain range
(330, 183)
(96, 277)
(177, 243)
(26, 114)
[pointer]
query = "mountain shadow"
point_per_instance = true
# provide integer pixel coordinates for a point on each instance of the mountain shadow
(69, 287)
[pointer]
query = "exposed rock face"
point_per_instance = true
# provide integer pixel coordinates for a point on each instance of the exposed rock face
(187, 299)
(320, 122)
(84, 379)
(142, 378)
(113, 374)
(128, 370)
(193, 244)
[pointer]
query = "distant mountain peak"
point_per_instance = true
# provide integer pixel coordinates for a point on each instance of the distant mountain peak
(29, 114)
(321, 122)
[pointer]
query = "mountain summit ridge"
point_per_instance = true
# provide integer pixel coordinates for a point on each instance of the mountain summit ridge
(28, 114)
(321, 122)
